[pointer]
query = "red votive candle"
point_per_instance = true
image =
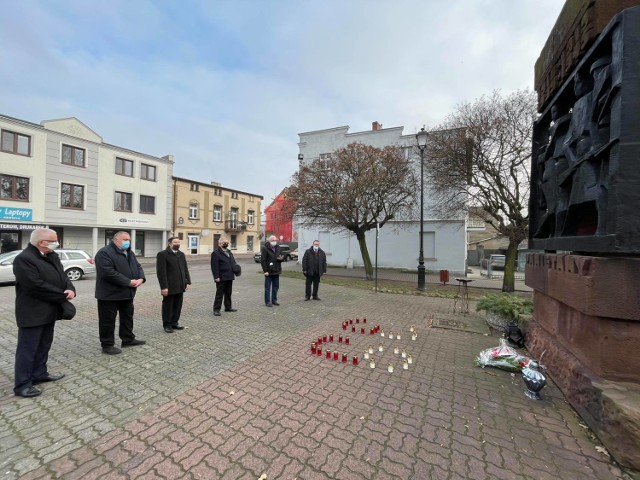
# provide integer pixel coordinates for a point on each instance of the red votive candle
(324, 339)
(344, 358)
(350, 321)
(319, 340)
(357, 320)
(335, 355)
(362, 330)
(371, 332)
(331, 338)
(344, 326)
(313, 349)
(355, 360)
(340, 339)
(346, 341)
(319, 351)
(364, 320)
(328, 354)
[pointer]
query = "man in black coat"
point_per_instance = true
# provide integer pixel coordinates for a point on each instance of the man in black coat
(174, 279)
(41, 289)
(222, 266)
(118, 275)
(271, 260)
(314, 265)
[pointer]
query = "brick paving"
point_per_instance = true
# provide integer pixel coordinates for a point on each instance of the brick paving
(239, 396)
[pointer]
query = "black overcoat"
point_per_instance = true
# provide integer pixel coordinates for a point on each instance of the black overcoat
(114, 272)
(314, 263)
(271, 261)
(40, 286)
(222, 266)
(172, 271)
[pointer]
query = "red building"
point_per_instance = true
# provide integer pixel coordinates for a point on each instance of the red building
(279, 218)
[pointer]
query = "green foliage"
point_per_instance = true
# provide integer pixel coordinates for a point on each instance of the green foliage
(505, 305)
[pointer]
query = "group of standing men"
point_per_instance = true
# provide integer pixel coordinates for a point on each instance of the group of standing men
(43, 292)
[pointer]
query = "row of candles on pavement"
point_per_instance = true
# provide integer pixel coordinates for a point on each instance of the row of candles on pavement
(316, 347)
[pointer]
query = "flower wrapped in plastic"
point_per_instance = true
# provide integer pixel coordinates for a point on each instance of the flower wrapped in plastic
(502, 356)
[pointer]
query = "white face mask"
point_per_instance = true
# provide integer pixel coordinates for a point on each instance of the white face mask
(273, 244)
(316, 247)
(53, 245)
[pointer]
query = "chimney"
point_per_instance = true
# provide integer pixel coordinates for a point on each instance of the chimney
(376, 126)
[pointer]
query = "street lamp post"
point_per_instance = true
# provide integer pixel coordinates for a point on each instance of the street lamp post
(421, 137)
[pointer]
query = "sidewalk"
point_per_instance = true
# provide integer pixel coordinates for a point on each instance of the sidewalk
(239, 396)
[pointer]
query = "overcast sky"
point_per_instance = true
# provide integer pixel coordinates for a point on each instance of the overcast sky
(226, 85)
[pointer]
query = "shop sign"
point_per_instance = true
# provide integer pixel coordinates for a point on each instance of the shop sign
(12, 213)
(21, 226)
(136, 221)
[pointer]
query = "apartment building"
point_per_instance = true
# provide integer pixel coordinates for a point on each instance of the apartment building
(60, 174)
(445, 244)
(203, 212)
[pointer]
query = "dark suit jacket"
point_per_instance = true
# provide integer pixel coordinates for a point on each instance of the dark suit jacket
(40, 286)
(222, 266)
(314, 263)
(172, 271)
(114, 272)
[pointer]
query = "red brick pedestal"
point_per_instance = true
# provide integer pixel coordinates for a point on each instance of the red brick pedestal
(587, 321)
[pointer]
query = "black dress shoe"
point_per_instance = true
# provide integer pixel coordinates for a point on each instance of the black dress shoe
(133, 343)
(268, 305)
(168, 329)
(28, 392)
(316, 298)
(216, 313)
(306, 299)
(275, 303)
(111, 350)
(49, 377)
(178, 327)
(230, 309)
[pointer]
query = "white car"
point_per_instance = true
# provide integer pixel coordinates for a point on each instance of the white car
(76, 264)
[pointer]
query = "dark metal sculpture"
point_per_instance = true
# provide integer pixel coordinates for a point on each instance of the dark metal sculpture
(585, 192)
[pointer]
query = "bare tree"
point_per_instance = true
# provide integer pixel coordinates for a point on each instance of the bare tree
(358, 187)
(480, 158)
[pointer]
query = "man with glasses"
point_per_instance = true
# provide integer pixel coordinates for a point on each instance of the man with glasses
(41, 289)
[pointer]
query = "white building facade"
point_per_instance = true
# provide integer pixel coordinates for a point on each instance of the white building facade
(445, 246)
(61, 175)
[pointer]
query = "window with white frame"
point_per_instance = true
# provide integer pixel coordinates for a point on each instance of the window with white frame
(217, 213)
(234, 195)
(250, 216)
(193, 210)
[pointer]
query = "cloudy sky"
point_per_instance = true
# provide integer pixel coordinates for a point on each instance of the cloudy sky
(226, 85)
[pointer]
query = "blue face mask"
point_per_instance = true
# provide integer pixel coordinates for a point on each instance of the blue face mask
(126, 244)
(315, 248)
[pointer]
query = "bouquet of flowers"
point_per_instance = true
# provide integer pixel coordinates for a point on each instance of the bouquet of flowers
(502, 356)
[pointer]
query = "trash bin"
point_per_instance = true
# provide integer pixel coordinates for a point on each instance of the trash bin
(444, 276)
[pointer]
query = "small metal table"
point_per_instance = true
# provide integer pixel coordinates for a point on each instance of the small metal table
(461, 299)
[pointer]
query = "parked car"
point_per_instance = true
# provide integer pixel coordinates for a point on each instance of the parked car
(76, 264)
(495, 261)
(284, 249)
(294, 254)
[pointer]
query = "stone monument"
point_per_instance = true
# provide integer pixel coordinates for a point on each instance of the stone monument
(585, 216)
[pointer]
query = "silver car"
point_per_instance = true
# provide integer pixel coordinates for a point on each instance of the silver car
(76, 264)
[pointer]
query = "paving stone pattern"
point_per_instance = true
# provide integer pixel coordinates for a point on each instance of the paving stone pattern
(238, 396)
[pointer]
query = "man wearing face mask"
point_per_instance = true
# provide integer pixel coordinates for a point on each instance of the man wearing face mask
(222, 267)
(271, 260)
(314, 265)
(174, 279)
(118, 276)
(41, 289)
